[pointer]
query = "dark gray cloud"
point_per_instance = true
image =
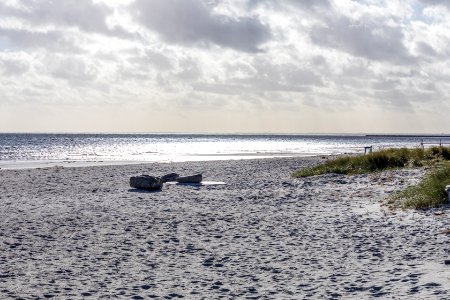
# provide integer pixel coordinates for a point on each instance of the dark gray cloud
(15, 39)
(13, 66)
(288, 77)
(310, 4)
(72, 69)
(385, 84)
(305, 5)
(436, 2)
(149, 58)
(266, 77)
(372, 40)
(192, 22)
(84, 15)
(425, 49)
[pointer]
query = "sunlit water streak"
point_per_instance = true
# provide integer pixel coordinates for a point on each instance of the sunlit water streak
(16, 149)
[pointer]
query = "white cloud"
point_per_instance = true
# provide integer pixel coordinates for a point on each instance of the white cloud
(84, 15)
(253, 60)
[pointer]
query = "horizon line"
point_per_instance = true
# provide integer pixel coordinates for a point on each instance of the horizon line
(241, 133)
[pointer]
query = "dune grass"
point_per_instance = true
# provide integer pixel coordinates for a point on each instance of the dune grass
(429, 193)
(379, 161)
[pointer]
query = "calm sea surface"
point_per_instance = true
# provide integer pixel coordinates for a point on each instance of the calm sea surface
(113, 148)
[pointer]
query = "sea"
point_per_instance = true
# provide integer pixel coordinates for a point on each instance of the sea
(41, 150)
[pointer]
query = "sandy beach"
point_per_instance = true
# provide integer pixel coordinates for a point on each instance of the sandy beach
(83, 233)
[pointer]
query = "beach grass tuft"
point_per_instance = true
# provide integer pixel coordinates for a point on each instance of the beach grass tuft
(379, 161)
(429, 193)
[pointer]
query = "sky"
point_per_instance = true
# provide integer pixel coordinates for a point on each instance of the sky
(225, 66)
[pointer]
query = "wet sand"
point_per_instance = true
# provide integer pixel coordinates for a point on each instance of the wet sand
(83, 233)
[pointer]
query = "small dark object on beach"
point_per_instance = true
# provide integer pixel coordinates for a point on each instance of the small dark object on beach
(447, 261)
(169, 177)
(146, 182)
(197, 178)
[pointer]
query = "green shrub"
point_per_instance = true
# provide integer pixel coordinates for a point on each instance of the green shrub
(430, 192)
(378, 161)
(440, 152)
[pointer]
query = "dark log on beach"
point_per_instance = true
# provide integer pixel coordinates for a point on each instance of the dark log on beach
(146, 182)
(170, 177)
(197, 178)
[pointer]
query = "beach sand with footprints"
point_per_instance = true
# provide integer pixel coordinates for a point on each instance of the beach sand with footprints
(83, 233)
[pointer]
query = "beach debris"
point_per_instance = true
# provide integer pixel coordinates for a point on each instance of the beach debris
(197, 178)
(368, 150)
(146, 182)
(169, 177)
(439, 213)
(447, 261)
(447, 189)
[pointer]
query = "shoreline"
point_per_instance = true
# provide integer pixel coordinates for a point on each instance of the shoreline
(84, 233)
(37, 164)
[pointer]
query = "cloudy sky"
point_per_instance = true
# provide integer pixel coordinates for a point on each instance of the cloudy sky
(290, 66)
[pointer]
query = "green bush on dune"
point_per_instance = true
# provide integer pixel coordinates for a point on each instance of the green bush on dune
(378, 161)
(430, 192)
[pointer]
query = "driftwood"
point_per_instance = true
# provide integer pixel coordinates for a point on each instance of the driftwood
(197, 178)
(152, 183)
(169, 177)
(146, 182)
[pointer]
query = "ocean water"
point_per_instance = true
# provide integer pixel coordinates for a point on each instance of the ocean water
(28, 149)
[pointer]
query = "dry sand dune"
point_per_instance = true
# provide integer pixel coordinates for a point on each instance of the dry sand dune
(83, 233)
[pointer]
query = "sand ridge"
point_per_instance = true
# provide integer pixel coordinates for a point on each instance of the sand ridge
(83, 233)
